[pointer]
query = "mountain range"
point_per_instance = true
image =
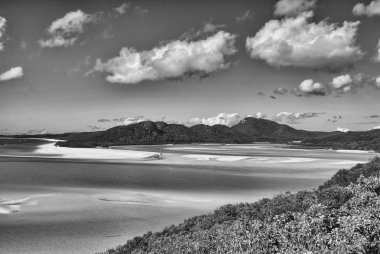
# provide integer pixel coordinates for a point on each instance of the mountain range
(246, 131)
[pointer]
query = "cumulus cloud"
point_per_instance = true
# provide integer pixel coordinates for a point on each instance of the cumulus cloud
(3, 23)
(372, 9)
(377, 82)
(261, 93)
(247, 15)
(65, 31)
(347, 83)
(222, 118)
(341, 129)
(294, 118)
(293, 7)
(273, 97)
(260, 115)
(173, 60)
(377, 57)
(120, 10)
(13, 73)
(296, 42)
(342, 83)
(134, 119)
(280, 90)
(308, 88)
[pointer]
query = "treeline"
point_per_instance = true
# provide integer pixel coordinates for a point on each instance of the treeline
(368, 140)
(341, 216)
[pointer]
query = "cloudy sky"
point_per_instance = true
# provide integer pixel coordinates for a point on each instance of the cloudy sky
(91, 65)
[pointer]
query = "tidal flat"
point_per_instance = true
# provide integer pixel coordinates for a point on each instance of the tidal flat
(73, 200)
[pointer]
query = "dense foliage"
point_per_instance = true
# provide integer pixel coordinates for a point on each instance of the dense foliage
(342, 216)
(366, 140)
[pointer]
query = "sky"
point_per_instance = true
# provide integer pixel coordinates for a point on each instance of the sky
(91, 65)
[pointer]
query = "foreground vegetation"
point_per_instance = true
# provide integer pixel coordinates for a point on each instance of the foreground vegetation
(341, 216)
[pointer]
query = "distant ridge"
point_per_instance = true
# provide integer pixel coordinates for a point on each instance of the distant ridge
(248, 130)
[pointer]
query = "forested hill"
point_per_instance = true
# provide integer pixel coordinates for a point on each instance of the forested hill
(246, 131)
(366, 140)
(342, 216)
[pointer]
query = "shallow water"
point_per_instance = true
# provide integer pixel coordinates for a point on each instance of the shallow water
(89, 205)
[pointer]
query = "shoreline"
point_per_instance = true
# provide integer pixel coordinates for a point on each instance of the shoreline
(244, 155)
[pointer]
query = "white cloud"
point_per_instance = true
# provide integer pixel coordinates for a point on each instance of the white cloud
(377, 58)
(296, 42)
(13, 73)
(341, 129)
(260, 115)
(65, 31)
(293, 118)
(134, 119)
(341, 81)
(347, 83)
(370, 10)
(293, 7)
(3, 23)
(376, 128)
(120, 10)
(377, 82)
(222, 118)
(309, 87)
(173, 60)
(247, 15)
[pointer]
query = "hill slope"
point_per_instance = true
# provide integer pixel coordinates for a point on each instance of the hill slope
(246, 131)
(366, 140)
(336, 218)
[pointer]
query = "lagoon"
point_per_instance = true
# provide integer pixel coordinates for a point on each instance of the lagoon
(85, 201)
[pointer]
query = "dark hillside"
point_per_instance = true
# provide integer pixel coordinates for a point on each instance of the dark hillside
(247, 131)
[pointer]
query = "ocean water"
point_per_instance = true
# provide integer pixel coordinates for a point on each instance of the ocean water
(89, 205)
